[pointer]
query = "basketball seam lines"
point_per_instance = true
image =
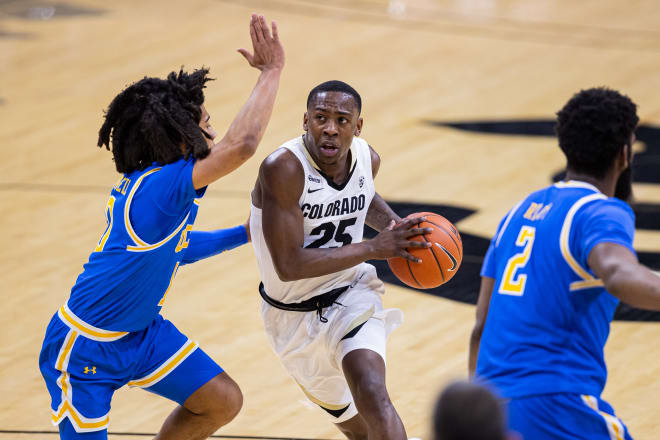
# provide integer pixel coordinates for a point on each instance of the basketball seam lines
(442, 273)
(412, 274)
(450, 236)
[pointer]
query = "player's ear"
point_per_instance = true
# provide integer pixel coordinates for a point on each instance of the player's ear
(626, 156)
(358, 128)
(305, 121)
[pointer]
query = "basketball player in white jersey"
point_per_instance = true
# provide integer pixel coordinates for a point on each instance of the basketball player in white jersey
(322, 308)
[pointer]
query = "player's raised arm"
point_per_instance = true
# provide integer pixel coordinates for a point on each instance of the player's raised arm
(624, 277)
(281, 182)
(241, 140)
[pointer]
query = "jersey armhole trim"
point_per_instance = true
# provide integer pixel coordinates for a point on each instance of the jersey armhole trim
(588, 280)
(141, 245)
(506, 223)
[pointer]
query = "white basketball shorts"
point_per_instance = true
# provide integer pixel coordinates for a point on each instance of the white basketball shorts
(312, 350)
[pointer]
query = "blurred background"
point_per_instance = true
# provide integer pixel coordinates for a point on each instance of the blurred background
(459, 98)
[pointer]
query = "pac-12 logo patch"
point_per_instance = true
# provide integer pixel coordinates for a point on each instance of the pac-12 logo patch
(361, 181)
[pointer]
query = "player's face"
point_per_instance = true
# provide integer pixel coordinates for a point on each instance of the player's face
(331, 121)
(205, 125)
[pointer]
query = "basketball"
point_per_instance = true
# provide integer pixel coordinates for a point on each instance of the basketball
(439, 263)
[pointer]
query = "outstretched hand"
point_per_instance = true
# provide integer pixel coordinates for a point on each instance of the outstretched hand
(268, 51)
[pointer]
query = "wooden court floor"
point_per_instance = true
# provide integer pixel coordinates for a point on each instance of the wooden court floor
(427, 71)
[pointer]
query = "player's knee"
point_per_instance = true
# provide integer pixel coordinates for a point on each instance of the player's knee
(371, 395)
(220, 400)
(229, 403)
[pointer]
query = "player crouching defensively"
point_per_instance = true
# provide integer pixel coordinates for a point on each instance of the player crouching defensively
(110, 332)
(322, 306)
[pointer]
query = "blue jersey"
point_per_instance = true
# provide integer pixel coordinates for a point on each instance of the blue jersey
(549, 315)
(150, 214)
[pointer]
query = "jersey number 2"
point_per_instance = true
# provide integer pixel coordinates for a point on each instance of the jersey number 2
(512, 284)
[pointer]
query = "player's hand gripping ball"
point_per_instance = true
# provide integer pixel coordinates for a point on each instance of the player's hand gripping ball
(440, 262)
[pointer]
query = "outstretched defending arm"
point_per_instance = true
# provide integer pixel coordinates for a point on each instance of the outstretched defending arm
(624, 277)
(245, 132)
(205, 244)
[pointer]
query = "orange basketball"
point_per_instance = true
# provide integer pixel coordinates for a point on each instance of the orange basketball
(439, 263)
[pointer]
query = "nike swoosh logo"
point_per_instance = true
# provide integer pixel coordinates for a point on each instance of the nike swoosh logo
(310, 190)
(451, 257)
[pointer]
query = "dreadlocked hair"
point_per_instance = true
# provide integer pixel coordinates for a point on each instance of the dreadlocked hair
(156, 120)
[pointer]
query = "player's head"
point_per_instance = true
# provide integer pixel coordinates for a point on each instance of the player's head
(331, 120)
(156, 120)
(595, 129)
(466, 411)
(336, 86)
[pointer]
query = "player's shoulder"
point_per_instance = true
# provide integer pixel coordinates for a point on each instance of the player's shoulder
(172, 167)
(282, 164)
(608, 207)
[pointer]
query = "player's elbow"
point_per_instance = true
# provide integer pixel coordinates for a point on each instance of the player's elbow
(618, 280)
(286, 271)
(477, 331)
(247, 145)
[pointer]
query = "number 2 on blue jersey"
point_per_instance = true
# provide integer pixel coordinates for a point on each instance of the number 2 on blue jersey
(513, 283)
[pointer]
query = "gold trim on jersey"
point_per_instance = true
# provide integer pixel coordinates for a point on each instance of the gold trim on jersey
(322, 404)
(169, 286)
(141, 245)
(614, 426)
(588, 280)
(167, 367)
(360, 320)
(66, 409)
(87, 330)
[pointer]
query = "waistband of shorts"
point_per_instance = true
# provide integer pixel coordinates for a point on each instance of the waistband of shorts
(314, 304)
(87, 330)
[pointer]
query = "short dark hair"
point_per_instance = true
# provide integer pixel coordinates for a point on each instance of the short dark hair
(467, 411)
(152, 119)
(593, 127)
(336, 86)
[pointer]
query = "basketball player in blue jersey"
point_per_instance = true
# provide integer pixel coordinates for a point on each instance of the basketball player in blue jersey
(110, 332)
(555, 271)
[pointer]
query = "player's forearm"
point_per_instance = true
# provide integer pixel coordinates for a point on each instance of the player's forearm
(249, 125)
(635, 285)
(205, 244)
(379, 214)
(475, 339)
(309, 263)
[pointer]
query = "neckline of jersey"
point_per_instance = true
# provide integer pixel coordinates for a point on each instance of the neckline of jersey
(576, 184)
(327, 178)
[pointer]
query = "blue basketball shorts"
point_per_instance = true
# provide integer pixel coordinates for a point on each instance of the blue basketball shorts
(565, 416)
(84, 365)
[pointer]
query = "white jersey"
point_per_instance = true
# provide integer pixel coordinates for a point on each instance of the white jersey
(334, 216)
